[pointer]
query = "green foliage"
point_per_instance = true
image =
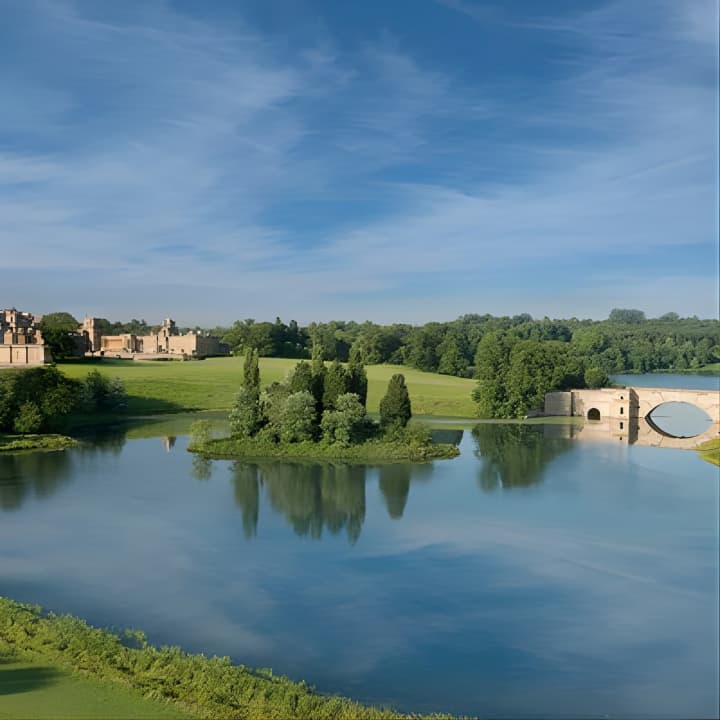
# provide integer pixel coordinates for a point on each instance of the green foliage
(251, 371)
(298, 421)
(347, 423)
(596, 378)
(625, 315)
(272, 404)
(200, 432)
(395, 409)
(335, 383)
(357, 381)
(537, 368)
(301, 378)
(492, 362)
(103, 393)
(29, 418)
(245, 417)
(16, 443)
(206, 687)
(376, 450)
(452, 359)
(57, 329)
(53, 394)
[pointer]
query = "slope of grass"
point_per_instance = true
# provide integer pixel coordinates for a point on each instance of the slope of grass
(157, 387)
(208, 687)
(36, 689)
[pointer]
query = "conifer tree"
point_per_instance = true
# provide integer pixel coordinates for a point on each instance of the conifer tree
(395, 409)
(357, 380)
(302, 378)
(318, 374)
(251, 370)
(335, 384)
(244, 417)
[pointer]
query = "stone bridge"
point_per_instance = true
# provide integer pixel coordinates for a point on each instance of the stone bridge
(625, 413)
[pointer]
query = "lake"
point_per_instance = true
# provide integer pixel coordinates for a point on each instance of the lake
(535, 575)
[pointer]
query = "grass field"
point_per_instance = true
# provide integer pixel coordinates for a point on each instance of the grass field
(38, 690)
(173, 386)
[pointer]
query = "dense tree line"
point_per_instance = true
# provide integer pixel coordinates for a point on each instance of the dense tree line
(36, 399)
(626, 342)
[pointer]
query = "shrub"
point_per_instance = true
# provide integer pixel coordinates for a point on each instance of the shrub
(103, 393)
(298, 419)
(29, 419)
(344, 424)
(245, 414)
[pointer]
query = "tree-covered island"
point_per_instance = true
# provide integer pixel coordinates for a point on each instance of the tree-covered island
(319, 412)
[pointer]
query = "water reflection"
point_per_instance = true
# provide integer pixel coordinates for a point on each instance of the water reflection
(246, 482)
(516, 455)
(314, 498)
(394, 483)
(40, 474)
(26, 474)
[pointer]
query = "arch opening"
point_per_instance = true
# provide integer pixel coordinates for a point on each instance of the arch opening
(593, 415)
(678, 420)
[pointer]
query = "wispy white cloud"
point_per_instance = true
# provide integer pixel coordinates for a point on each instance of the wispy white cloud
(323, 169)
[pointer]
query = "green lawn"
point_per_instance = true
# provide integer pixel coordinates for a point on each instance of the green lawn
(211, 384)
(38, 690)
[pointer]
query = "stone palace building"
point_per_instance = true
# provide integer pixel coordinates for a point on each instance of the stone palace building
(21, 341)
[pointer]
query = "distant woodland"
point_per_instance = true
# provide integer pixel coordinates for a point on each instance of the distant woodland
(626, 342)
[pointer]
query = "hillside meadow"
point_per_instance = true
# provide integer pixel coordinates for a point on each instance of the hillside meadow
(173, 386)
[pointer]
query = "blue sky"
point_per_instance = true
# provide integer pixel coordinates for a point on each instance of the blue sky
(408, 161)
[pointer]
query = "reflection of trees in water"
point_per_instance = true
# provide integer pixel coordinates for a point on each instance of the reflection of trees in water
(102, 441)
(448, 436)
(515, 455)
(40, 473)
(312, 497)
(201, 468)
(246, 482)
(394, 485)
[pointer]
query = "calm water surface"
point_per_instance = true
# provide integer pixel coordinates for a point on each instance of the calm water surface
(536, 575)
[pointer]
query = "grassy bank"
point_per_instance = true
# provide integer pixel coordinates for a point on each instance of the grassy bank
(18, 443)
(381, 451)
(710, 451)
(161, 387)
(200, 686)
(37, 690)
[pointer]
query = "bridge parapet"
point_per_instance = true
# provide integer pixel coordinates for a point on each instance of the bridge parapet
(623, 413)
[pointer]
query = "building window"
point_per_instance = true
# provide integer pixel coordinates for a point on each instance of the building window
(622, 410)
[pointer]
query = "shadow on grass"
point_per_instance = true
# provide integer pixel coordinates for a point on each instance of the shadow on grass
(14, 680)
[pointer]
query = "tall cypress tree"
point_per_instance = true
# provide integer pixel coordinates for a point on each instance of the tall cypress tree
(302, 378)
(244, 417)
(357, 380)
(318, 375)
(251, 370)
(335, 384)
(395, 409)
